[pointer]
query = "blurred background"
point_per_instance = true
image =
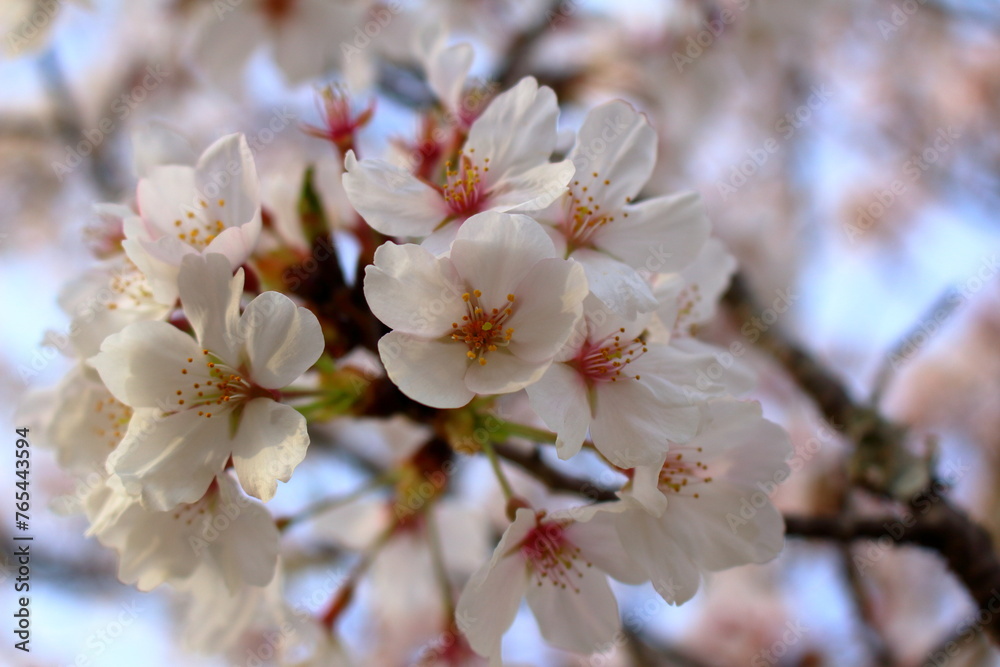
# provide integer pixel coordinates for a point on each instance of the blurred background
(849, 156)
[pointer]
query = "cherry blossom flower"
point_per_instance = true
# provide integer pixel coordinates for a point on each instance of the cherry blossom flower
(626, 391)
(597, 224)
(706, 507)
(211, 397)
(229, 534)
(213, 206)
(503, 166)
(558, 561)
(80, 420)
(488, 319)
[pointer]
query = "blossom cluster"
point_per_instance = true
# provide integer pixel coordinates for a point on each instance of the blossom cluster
(501, 269)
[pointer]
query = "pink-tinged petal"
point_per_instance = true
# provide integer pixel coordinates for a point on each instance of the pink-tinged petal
(171, 459)
(142, 364)
(412, 291)
(661, 235)
(673, 574)
(489, 602)
(581, 620)
(390, 199)
(596, 534)
(547, 308)
(517, 131)
(722, 528)
(560, 399)
(429, 371)
(632, 427)
(210, 295)
(271, 440)
(503, 373)
(228, 188)
(533, 189)
(614, 154)
(280, 340)
(236, 243)
(616, 285)
(247, 550)
(494, 251)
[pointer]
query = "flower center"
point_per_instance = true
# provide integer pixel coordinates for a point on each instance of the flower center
(196, 227)
(682, 472)
(464, 189)
(224, 389)
(552, 557)
(483, 330)
(605, 360)
(130, 287)
(111, 419)
(582, 216)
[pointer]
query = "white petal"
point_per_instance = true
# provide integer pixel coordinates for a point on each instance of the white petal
(494, 251)
(210, 295)
(661, 235)
(722, 528)
(391, 199)
(280, 340)
(412, 291)
(428, 371)
(580, 620)
(548, 305)
(615, 284)
(168, 460)
(517, 131)
(531, 190)
(615, 143)
(503, 373)
(719, 371)
(632, 427)
(673, 574)
(163, 196)
(446, 72)
(271, 440)
(710, 272)
(141, 365)
(596, 535)
(645, 489)
(229, 191)
(247, 548)
(560, 399)
(489, 602)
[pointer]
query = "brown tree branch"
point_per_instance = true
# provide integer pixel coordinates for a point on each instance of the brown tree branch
(929, 519)
(554, 479)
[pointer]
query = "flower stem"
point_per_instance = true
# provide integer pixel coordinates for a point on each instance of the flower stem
(433, 536)
(497, 470)
(528, 432)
